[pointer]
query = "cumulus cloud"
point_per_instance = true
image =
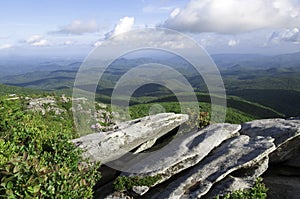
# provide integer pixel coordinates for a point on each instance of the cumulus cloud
(98, 43)
(154, 37)
(79, 27)
(37, 40)
(42, 42)
(288, 35)
(5, 46)
(33, 38)
(125, 24)
(146, 37)
(234, 16)
(68, 42)
(233, 42)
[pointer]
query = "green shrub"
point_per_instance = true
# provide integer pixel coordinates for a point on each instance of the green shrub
(123, 183)
(259, 191)
(204, 119)
(36, 158)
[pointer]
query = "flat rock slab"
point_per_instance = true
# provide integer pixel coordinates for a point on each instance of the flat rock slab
(227, 185)
(238, 180)
(108, 146)
(287, 151)
(235, 153)
(285, 132)
(280, 129)
(183, 152)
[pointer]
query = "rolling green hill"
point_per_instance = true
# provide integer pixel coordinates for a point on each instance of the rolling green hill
(6, 90)
(264, 86)
(283, 101)
(239, 110)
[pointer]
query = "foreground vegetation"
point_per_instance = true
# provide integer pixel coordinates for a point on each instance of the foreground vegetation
(36, 158)
(38, 161)
(123, 183)
(258, 191)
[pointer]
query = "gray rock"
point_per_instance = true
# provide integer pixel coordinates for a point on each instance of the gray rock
(44, 105)
(228, 185)
(145, 146)
(285, 132)
(238, 180)
(183, 152)
(141, 190)
(280, 129)
(117, 196)
(108, 146)
(235, 153)
(287, 151)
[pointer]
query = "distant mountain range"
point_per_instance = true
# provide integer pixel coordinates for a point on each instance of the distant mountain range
(257, 61)
(15, 65)
(257, 78)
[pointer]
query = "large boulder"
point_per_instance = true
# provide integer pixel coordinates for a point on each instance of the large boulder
(238, 180)
(183, 152)
(235, 153)
(202, 164)
(280, 129)
(108, 146)
(285, 132)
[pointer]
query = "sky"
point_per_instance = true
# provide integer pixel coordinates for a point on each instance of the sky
(75, 27)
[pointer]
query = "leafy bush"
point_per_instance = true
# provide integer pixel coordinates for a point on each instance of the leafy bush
(204, 119)
(259, 191)
(36, 158)
(123, 183)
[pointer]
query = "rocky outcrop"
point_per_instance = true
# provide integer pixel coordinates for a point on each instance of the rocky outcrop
(108, 146)
(283, 175)
(45, 105)
(224, 160)
(280, 129)
(238, 180)
(216, 160)
(183, 152)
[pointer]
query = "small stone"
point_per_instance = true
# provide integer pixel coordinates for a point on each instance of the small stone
(141, 190)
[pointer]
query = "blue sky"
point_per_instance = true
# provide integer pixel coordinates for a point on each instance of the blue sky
(221, 26)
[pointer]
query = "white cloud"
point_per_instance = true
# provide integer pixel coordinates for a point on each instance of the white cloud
(147, 37)
(125, 24)
(233, 42)
(5, 46)
(37, 40)
(175, 12)
(98, 43)
(42, 42)
(234, 16)
(33, 38)
(288, 35)
(68, 42)
(78, 27)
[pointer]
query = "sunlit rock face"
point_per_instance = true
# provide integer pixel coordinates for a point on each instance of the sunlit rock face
(216, 160)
